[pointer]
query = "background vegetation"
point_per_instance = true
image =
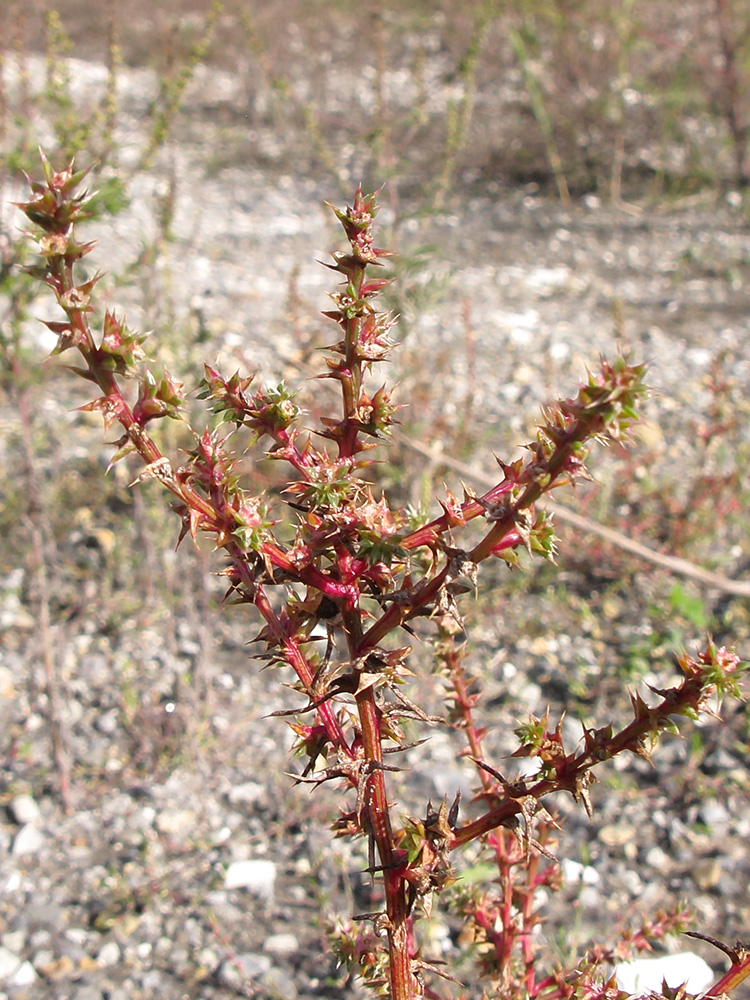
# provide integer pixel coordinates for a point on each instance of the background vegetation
(632, 111)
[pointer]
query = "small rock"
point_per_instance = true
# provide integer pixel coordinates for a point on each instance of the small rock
(646, 974)
(109, 954)
(658, 859)
(24, 810)
(706, 873)
(719, 760)
(107, 722)
(12, 883)
(87, 992)
(44, 914)
(40, 939)
(79, 935)
(590, 898)
(249, 792)
(59, 968)
(175, 822)
(616, 834)
(24, 975)
(208, 960)
(281, 944)
(28, 840)
(713, 813)
(243, 970)
(257, 876)
(280, 985)
(43, 957)
(573, 873)
(220, 723)
(14, 941)
(6, 683)
(9, 963)
(631, 880)
(188, 648)
(94, 669)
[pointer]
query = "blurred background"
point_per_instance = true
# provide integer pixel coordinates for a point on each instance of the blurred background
(561, 178)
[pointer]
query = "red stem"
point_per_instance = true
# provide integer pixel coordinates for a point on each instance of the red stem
(378, 814)
(732, 979)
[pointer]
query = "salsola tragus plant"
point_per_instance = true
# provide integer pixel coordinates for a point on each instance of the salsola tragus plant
(334, 558)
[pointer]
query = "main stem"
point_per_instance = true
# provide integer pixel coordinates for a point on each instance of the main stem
(379, 821)
(378, 817)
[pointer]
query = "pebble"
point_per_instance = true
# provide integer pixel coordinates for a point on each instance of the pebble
(220, 724)
(24, 975)
(175, 822)
(279, 984)
(208, 960)
(87, 992)
(55, 969)
(646, 974)
(257, 876)
(43, 957)
(109, 954)
(28, 840)
(658, 859)
(108, 722)
(249, 793)
(718, 761)
(616, 834)
(24, 810)
(14, 941)
(6, 683)
(245, 972)
(9, 962)
(281, 944)
(706, 873)
(241, 971)
(590, 898)
(714, 813)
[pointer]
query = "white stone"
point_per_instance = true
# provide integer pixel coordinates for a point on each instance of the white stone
(243, 969)
(8, 963)
(255, 875)
(573, 872)
(281, 944)
(14, 941)
(220, 723)
(559, 350)
(175, 822)
(24, 975)
(28, 840)
(13, 882)
(248, 792)
(6, 683)
(645, 975)
(109, 954)
(208, 959)
(657, 858)
(78, 935)
(24, 810)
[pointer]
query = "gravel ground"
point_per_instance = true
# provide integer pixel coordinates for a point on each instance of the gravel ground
(191, 866)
